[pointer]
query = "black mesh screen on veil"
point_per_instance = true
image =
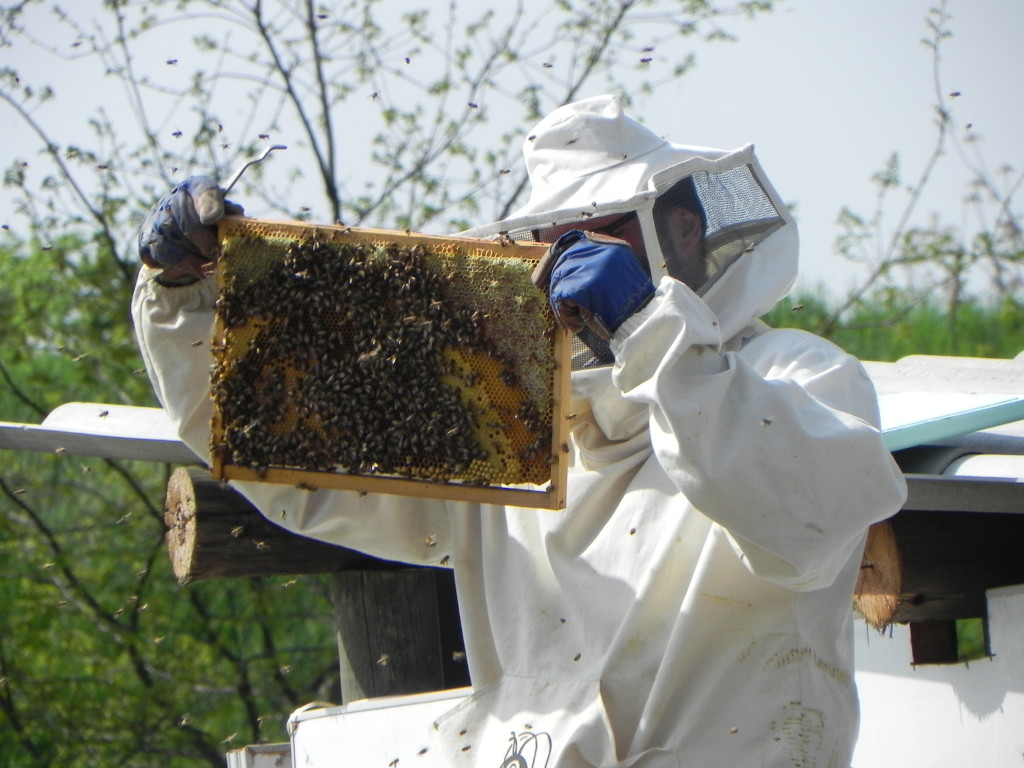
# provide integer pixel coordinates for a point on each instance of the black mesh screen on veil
(734, 211)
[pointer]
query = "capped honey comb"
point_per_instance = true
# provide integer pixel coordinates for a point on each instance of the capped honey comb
(384, 361)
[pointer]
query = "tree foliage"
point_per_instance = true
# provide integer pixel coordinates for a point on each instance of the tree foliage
(104, 660)
(937, 263)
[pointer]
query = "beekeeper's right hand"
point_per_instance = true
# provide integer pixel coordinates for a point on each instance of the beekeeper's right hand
(180, 235)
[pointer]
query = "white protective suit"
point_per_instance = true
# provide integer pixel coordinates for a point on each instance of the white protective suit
(692, 605)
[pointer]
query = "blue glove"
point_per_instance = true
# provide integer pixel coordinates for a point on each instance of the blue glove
(596, 281)
(180, 235)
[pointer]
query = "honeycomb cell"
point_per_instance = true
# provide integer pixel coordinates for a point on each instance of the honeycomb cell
(373, 353)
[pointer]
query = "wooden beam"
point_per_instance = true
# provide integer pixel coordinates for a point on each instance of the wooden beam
(214, 532)
(877, 594)
(937, 566)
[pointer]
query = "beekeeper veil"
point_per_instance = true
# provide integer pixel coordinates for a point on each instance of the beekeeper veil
(706, 217)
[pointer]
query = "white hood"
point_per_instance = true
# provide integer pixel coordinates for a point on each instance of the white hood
(589, 159)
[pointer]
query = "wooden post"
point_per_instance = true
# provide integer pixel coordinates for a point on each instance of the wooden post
(391, 639)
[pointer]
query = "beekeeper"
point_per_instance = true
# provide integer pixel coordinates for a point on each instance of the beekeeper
(692, 604)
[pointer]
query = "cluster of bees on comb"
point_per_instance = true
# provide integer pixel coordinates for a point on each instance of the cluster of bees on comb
(366, 359)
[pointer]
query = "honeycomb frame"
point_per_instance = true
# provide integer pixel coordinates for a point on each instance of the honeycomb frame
(388, 362)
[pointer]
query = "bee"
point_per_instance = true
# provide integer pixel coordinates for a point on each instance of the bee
(384, 660)
(177, 134)
(60, 450)
(261, 546)
(646, 60)
(237, 531)
(796, 307)
(577, 657)
(264, 136)
(172, 62)
(547, 65)
(103, 414)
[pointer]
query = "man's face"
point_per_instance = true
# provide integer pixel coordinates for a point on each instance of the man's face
(682, 234)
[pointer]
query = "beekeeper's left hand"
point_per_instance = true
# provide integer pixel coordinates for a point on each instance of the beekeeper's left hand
(595, 281)
(179, 235)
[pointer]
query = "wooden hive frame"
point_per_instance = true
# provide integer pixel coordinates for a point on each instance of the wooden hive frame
(503, 381)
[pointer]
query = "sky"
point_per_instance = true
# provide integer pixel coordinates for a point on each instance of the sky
(826, 91)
